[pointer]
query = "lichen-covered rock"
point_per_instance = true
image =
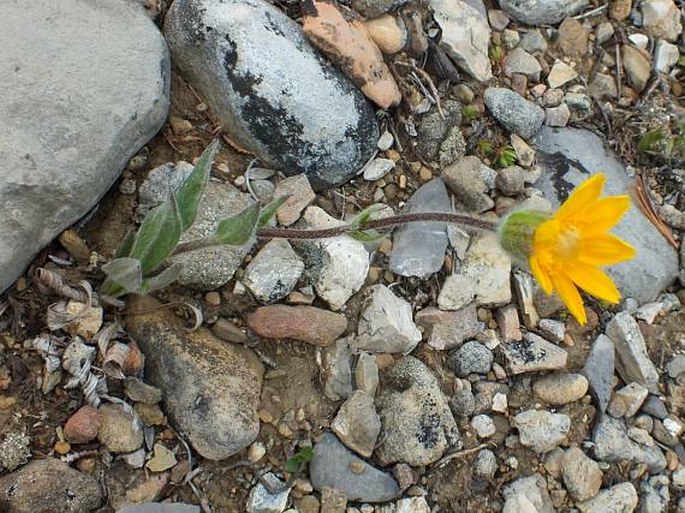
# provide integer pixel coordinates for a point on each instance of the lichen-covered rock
(303, 117)
(48, 485)
(417, 424)
(210, 388)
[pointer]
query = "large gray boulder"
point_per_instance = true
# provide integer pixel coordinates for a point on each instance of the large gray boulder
(273, 93)
(84, 86)
(570, 156)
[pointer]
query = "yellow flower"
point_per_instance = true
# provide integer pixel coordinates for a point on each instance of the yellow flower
(565, 249)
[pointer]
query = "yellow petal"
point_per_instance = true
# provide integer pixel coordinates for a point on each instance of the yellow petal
(593, 281)
(540, 275)
(604, 249)
(583, 196)
(604, 214)
(570, 296)
(546, 235)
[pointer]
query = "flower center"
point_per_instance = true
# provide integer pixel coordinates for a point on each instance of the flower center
(567, 242)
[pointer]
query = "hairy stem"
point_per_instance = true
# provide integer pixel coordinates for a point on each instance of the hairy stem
(374, 224)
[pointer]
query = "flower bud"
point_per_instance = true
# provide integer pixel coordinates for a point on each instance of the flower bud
(517, 230)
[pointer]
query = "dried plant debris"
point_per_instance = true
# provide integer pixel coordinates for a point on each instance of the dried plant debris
(77, 360)
(50, 348)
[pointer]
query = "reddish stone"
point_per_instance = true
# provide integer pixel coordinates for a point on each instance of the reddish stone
(303, 323)
(82, 427)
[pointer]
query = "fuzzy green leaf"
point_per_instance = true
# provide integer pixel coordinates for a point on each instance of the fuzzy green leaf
(163, 279)
(270, 210)
(124, 276)
(190, 192)
(157, 236)
(238, 229)
(125, 248)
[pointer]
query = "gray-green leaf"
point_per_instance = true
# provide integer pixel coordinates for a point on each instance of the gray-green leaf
(163, 279)
(190, 192)
(270, 210)
(124, 276)
(157, 236)
(238, 229)
(125, 248)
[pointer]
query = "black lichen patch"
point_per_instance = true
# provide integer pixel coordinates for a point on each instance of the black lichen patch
(524, 351)
(430, 430)
(272, 25)
(558, 165)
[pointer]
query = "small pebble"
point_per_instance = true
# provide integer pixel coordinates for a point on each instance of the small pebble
(213, 298)
(256, 452)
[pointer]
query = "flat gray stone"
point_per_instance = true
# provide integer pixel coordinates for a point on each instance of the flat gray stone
(385, 323)
(261, 500)
(513, 111)
(48, 485)
(417, 424)
(520, 61)
(447, 330)
(335, 466)
(541, 12)
(274, 271)
(418, 249)
(488, 267)
(570, 156)
(434, 132)
(527, 492)
(211, 388)
(654, 495)
(465, 36)
(339, 264)
(337, 373)
(599, 370)
(582, 475)
(632, 361)
(620, 498)
(541, 430)
(469, 180)
(612, 443)
(304, 117)
(357, 424)
(85, 86)
(533, 354)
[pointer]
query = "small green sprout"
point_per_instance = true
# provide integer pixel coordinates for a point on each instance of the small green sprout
(505, 156)
(497, 54)
(297, 460)
(470, 113)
